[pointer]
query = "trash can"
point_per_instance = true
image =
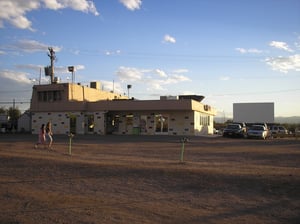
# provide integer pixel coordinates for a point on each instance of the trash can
(136, 130)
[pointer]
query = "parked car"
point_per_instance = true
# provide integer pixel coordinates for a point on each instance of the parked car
(297, 132)
(216, 131)
(257, 131)
(234, 130)
(278, 131)
(263, 124)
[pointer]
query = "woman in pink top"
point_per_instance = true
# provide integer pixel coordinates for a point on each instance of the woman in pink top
(42, 137)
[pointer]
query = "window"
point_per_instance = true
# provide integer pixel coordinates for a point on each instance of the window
(40, 96)
(56, 95)
(49, 96)
(129, 119)
(204, 120)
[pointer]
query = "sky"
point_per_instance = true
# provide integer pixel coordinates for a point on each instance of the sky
(226, 50)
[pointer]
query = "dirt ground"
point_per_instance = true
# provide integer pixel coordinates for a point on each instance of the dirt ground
(140, 179)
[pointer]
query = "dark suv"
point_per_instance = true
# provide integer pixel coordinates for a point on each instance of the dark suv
(234, 130)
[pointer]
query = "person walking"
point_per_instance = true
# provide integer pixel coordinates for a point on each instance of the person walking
(49, 134)
(42, 137)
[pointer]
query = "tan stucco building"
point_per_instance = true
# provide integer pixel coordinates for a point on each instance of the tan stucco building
(74, 108)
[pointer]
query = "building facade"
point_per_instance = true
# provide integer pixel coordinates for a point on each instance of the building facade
(73, 108)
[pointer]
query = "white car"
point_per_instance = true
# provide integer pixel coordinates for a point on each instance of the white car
(257, 131)
(278, 131)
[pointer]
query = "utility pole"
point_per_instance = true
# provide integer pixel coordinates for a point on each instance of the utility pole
(52, 57)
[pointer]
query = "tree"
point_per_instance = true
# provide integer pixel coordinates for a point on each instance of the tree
(3, 110)
(14, 114)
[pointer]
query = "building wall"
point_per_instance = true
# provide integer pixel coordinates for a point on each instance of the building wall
(143, 123)
(67, 95)
(177, 122)
(84, 110)
(182, 123)
(203, 123)
(61, 122)
(24, 123)
(84, 93)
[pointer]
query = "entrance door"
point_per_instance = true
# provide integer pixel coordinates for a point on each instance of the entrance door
(90, 123)
(161, 124)
(73, 124)
(143, 124)
(112, 123)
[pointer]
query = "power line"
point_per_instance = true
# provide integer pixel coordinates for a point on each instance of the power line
(257, 93)
(16, 102)
(15, 91)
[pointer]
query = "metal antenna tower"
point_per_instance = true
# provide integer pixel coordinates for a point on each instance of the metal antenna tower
(52, 57)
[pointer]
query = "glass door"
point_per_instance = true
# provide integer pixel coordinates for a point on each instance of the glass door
(90, 123)
(161, 124)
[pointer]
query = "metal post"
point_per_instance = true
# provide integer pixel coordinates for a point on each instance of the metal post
(182, 152)
(70, 143)
(183, 141)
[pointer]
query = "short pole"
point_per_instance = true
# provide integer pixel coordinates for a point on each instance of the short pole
(183, 141)
(70, 143)
(182, 152)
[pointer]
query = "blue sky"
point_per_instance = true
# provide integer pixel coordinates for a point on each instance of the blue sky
(229, 51)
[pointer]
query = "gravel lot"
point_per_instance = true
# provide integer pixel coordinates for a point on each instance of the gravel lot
(140, 179)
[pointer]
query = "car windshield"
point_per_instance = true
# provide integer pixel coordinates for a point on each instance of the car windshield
(233, 126)
(257, 128)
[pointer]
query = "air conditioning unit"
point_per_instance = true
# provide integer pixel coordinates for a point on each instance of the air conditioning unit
(56, 80)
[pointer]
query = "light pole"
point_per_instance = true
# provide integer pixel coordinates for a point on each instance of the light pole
(128, 87)
(72, 69)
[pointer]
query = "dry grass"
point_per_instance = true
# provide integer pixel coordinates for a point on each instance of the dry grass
(139, 179)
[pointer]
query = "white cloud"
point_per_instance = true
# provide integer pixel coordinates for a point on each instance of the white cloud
(79, 67)
(110, 53)
(169, 39)
(31, 46)
(155, 84)
(79, 5)
(224, 78)
(241, 50)
(132, 4)
(57, 69)
(75, 52)
(14, 11)
(30, 67)
(250, 50)
(297, 43)
(173, 79)
(129, 74)
(64, 69)
(116, 87)
(147, 77)
(285, 64)
(161, 73)
(18, 77)
(181, 70)
(280, 45)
